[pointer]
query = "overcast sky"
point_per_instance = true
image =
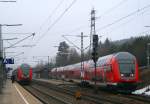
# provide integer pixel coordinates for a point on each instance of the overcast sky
(40, 16)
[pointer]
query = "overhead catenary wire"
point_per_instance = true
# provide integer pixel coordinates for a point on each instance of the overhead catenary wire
(129, 21)
(79, 28)
(112, 8)
(21, 40)
(51, 14)
(114, 23)
(123, 1)
(106, 12)
(70, 42)
(50, 27)
(124, 17)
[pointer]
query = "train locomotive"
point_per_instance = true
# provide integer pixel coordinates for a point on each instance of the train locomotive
(24, 74)
(119, 70)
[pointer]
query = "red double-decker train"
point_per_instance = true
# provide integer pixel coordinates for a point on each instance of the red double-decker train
(116, 70)
(23, 74)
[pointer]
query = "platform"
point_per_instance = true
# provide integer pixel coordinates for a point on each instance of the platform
(15, 94)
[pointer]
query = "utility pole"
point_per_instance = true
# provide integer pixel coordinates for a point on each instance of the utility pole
(148, 55)
(48, 67)
(81, 49)
(94, 41)
(1, 59)
(48, 61)
(2, 67)
(4, 53)
(92, 32)
(1, 54)
(82, 58)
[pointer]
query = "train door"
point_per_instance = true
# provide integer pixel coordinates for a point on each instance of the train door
(82, 74)
(108, 73)
(98, 74)
(104, 74)
(86, 72)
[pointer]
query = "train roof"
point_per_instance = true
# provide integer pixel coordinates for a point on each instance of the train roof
(124, 55)
(119, 56)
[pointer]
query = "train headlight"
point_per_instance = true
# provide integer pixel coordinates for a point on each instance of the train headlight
(132, 75)
(122, 75)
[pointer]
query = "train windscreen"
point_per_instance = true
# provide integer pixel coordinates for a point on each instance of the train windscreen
(126, 68)
(25, 67)
(126, 62)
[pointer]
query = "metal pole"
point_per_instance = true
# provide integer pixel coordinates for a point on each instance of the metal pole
(48, 68)
(1, 59)
(95, 75)
(92, 32)
(148, 55)
(48, 61)
(81, 60)
(82, 63)
(82, 73)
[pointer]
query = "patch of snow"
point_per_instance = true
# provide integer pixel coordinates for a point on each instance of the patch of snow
(147, 93)
(143, 91)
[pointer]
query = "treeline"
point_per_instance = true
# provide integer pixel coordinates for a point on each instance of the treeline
(135, 45)
(67, 55)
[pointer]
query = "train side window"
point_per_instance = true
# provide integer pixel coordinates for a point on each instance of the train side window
(92, 65)
(105, 68)
(108, 68)
(71, 72)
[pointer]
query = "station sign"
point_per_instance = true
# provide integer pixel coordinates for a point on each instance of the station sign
(8, 61)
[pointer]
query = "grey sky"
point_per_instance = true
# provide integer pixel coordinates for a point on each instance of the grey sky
(33, 15)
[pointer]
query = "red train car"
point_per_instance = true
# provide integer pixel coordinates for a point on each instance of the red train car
(24, 74)
(118, 69)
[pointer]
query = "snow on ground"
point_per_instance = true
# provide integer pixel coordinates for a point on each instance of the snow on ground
(143, 91)
(147, 93)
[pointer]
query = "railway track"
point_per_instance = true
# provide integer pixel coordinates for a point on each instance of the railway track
(44, 97)
(101, 98)
(116, 98)
(51, 96)
(61, 98)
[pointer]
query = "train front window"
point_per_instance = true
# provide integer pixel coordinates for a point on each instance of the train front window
(25, 67)
(126, 68)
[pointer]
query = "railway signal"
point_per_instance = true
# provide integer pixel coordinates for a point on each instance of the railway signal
(95, 48)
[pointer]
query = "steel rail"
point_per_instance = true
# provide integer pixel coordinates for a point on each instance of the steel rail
(47, 98)
(96, 98)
